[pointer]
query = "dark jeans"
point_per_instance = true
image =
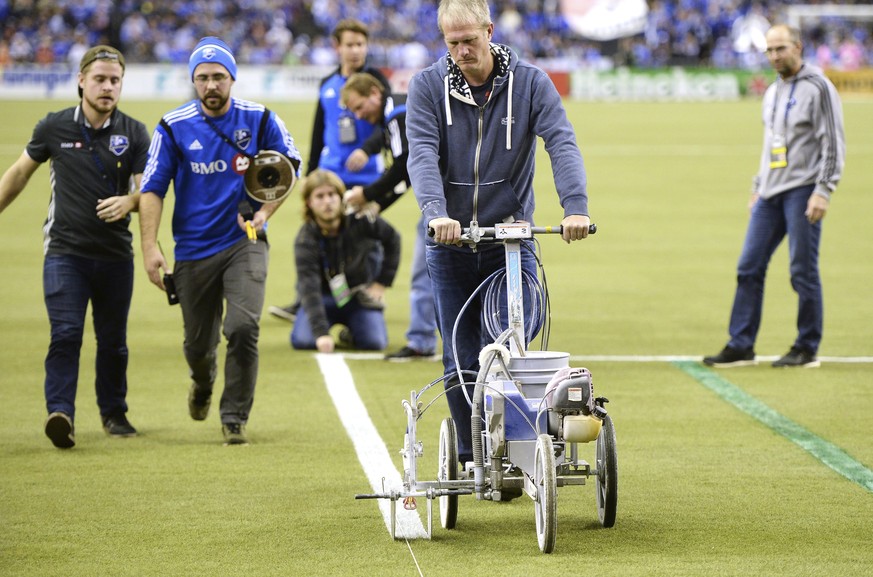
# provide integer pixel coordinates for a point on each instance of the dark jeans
(421, 334)
(367, 325)
(455, 275)
(69, 283)
(771, 220)
(236, 276)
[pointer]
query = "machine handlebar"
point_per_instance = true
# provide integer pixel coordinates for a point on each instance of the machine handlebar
(471, 235)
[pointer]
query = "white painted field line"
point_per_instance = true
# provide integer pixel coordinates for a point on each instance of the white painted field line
(371, 449)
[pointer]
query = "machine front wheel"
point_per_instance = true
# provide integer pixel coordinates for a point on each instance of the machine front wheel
(607, 474)
(448, 471)
(546, 483)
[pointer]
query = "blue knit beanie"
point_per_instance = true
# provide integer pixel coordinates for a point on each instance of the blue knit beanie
(212, 49)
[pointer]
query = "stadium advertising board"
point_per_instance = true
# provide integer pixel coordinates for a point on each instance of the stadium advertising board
(272, 83)
(164, 82)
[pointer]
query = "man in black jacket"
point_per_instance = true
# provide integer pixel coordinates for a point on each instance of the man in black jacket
(365, 96)
(335, 276)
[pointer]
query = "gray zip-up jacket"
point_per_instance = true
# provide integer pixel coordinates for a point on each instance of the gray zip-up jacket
(806, 112)
(472, 163)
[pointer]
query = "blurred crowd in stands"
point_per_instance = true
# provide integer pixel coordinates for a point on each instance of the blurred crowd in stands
(723, 34)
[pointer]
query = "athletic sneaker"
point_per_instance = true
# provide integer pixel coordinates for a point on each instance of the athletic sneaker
(797, 357)
(118, 426)
(234, 434)
(407, 353)
(198, 402)
(731, 357)
(59, 428)
(345, 339)
(288, 313)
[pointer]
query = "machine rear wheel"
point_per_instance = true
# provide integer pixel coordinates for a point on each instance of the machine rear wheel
(448, 471)
(545, 506)
(607, 474)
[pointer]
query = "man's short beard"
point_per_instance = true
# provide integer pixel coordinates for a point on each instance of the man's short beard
(98, 105)
(222, 100)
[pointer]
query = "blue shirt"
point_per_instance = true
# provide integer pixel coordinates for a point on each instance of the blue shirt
(207, 171)
(335, 152)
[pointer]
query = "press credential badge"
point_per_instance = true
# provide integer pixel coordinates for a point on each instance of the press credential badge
(778, 152)
(339, 288)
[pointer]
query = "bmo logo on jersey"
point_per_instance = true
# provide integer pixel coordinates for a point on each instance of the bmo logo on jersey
(215, 167)
(239, 164)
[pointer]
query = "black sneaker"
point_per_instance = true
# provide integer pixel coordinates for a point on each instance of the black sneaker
(234, 434)
(797, 357)
(346, 339)
(731, 357)
(288, 313)
(198, 402)
(118, 426)
(407, 353)
(59, 428)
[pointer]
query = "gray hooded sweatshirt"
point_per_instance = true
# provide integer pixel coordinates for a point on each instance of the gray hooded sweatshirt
(805, 112)
(471, 163)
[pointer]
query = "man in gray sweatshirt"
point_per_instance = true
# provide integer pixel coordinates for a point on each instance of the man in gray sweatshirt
(473, 119)
(801, 164)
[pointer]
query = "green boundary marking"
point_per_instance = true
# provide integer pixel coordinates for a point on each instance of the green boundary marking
(826, 452)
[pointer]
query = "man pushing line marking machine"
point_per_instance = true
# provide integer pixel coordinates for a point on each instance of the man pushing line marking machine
(530, 410)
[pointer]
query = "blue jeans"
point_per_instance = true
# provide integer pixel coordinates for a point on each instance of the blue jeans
(69, 283)
(421, 334)
(455, 275)
(366, 325)
(771, 220)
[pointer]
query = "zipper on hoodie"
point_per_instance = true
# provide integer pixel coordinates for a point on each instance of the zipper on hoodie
(474, 224)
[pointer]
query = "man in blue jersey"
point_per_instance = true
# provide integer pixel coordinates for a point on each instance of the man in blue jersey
(204, 147)
(347, 146)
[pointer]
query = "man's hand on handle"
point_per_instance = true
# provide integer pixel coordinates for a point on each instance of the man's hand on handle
(446, 231)
(575, 227)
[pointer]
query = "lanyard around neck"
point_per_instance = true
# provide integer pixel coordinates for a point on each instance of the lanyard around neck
(223, 136)
(338, 252)
(99, 163)
(787, 104)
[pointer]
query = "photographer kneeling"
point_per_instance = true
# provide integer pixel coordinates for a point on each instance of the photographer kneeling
(334, 272)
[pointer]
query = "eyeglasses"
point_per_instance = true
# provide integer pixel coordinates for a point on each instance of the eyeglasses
(207, 78)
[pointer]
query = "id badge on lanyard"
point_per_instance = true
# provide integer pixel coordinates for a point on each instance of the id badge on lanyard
(347, 130)
(779, 144)
(778, 152)
(339, 288)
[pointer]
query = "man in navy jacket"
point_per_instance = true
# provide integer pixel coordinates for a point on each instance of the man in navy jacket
(473, 119)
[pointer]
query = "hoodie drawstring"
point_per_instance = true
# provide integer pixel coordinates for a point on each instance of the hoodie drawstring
(448, 105)
(509, 113)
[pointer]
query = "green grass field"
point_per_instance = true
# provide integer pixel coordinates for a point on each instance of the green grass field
(705, 488)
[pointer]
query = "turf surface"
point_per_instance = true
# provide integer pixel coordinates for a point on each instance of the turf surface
(705, 489)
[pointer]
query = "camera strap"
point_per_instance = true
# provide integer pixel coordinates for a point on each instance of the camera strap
(230, 142)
